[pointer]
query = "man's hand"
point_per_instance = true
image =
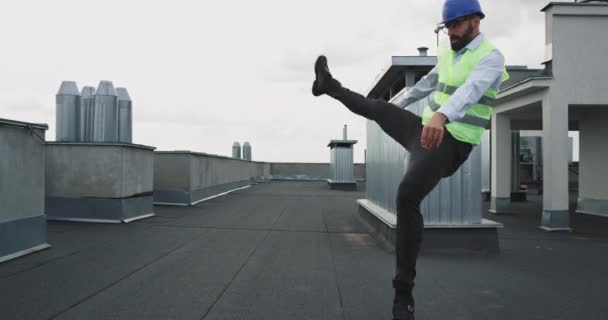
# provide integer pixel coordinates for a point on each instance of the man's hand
(432, 132)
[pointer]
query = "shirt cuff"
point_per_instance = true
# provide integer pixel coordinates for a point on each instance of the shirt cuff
(450, 114)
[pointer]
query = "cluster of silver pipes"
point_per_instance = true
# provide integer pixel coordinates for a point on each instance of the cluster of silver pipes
(236, 151)
(104, 115)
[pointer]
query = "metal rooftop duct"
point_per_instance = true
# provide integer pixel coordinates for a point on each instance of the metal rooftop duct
(236, 150)
(86, 113)
(341, 163)
(67, 112)
(247, 151)
(125, 116)
(423, 51)
(105, 128)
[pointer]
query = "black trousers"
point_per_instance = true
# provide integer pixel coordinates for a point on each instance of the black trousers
(425, 169)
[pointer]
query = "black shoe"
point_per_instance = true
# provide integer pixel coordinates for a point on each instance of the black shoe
(324, 82)
(403, 303)
(403, 311)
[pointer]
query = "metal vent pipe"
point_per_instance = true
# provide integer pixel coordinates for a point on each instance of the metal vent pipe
(125, 116)
(423, 51)
(105, 127)
(86, 113)
(236, 150)
(247, 151)
(67, 112)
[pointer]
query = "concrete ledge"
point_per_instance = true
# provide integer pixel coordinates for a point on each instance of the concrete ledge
(481, 238)
(342, 185)
(202, 194)
(256, 180)
(500, 205)
(42, 126)
(98, 210)
(102, 144)
(190, 198)
(220, 194)
(556, 220)
(296, 177)
(144, 216)
(592, 206)
(172, 197)
(302, 177)
(22, 237)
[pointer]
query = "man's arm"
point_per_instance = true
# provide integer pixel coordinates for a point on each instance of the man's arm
(487, 73)
(423, 88)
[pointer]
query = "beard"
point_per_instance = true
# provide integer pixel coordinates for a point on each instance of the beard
(458, 43)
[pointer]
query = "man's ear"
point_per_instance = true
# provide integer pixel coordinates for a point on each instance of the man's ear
(476, 22)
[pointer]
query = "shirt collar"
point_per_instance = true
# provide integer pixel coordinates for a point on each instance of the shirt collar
(474, 44)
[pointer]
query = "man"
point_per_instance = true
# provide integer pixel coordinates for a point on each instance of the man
(463, 84)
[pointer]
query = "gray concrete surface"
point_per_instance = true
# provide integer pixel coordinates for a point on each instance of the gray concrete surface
(296, 250)
(80, 170)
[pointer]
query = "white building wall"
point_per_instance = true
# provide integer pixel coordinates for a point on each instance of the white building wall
(579, 43)
(593, 166)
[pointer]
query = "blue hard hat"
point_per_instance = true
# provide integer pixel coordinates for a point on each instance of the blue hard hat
(454, 9)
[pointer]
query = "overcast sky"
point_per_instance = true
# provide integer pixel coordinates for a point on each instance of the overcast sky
(203, 74)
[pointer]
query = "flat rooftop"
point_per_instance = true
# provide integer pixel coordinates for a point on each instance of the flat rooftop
(297, 250)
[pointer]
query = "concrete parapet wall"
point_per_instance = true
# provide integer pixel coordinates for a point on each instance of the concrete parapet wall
(185, 178)
(207, 170)
(80, 170)
(22, 221)
(171, 170)
(309, 171)
(100, 182)
(21, 171)
(304, 171)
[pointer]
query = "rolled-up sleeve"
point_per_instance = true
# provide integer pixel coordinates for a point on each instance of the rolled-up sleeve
(487, 73)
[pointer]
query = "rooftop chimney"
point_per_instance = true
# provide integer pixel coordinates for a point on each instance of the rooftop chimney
(422, 51)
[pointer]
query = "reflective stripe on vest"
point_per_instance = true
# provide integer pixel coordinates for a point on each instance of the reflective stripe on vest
(468, 119)
(449, 90)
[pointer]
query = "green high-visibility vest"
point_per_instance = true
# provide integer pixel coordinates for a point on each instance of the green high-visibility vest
(453, 75)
